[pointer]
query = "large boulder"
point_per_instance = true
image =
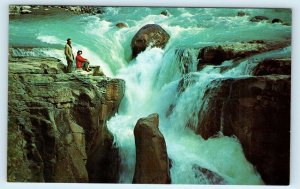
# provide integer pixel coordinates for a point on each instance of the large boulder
(58, 123)
(257, 111)
(152, 162)
(150, 34)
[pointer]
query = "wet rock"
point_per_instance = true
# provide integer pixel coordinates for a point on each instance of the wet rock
(273, 66)
(121, 25)
(241, 13)
(277, 20)
(152, 162)
(150, 34)
(257, 111)
(165, 13)
(208, 176)
(61, 120)
(259, 18)
(216, 54)
(187, 59)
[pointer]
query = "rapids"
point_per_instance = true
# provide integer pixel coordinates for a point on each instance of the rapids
(152, 78)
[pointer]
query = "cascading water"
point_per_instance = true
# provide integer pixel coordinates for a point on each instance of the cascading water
(153, 79)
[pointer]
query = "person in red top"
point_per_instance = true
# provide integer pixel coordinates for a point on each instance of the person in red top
(82, 63)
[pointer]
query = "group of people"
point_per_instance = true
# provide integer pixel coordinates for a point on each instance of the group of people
(81, 63)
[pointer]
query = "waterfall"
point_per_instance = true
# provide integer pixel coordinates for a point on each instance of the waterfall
(159, 68)
(164, 81)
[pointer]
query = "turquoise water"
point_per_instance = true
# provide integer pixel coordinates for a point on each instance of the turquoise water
(153, 77)
(105, 44)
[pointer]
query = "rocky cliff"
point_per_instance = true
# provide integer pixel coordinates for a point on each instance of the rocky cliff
(57, 123)
(256, 110)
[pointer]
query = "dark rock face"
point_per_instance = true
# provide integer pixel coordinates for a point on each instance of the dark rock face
(58, 122)
(257, 111)
(273, 66)
(152, 162)
(150, 34)
(259, 18)
(215, 55)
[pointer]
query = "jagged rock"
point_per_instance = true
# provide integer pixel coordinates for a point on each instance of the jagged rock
(257, 111)
(273, 66)
(152, 162)
(150, 34)
(259, 18)
(59, 121)
(121, 25)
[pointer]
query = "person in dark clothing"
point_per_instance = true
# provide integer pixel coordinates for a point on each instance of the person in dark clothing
(69, 55)
(82, 63)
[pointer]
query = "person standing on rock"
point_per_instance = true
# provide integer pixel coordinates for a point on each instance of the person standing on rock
(69, 55)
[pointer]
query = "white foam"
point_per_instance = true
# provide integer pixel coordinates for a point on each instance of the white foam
(50, 39)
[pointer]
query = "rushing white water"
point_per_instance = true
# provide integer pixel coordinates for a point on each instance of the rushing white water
(223, 154)
(152, 79)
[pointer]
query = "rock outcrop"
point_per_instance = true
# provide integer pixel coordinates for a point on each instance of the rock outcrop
(152, 162)
(57, 123)
(216, 54)
(257, 111)
(150, 34)
(15, 10)
(273, 66)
